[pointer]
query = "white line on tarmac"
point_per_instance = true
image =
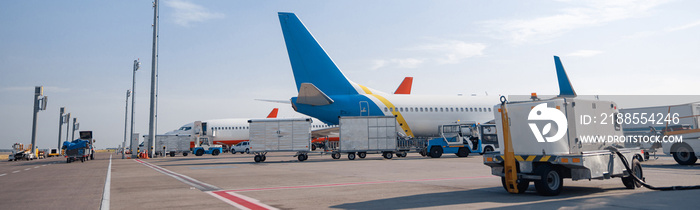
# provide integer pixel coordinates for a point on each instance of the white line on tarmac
(16, 171)
(36, 166)
(108, 182)
(27, 169)
(3, 174)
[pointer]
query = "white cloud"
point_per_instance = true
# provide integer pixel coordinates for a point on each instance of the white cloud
(406, 63)
(446, 52)
(584, 53)
(590, 13)
(451, 52)
(686, 26)
(186, 12)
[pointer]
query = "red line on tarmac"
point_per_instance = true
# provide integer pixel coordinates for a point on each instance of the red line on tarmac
(238, 201)
(357, 183)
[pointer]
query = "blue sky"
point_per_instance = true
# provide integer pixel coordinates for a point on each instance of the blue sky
(216, 57)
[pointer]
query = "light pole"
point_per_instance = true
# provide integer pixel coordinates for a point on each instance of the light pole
(154, 74)
(75, 127)
(60, 126)
(39, 104)
(126, 116)
(137, 64)
(67, 126)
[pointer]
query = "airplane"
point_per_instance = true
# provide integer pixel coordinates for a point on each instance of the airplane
(325, 93)
(232, 131)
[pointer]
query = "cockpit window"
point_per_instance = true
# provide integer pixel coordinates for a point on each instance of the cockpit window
(185, 128)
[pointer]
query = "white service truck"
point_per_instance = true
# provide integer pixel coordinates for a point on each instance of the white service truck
(677, 127)
(546, 140)
(172, 144)
(280, 135)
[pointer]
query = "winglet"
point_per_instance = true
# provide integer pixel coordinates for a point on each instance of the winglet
(565, 87)
(273, 113)
(405, 87)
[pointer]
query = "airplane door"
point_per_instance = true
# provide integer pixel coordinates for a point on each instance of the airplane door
(364, 108)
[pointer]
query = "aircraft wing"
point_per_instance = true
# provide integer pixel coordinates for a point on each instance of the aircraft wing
(332, 131)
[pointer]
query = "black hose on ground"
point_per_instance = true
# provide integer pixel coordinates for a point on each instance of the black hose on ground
(640, 181)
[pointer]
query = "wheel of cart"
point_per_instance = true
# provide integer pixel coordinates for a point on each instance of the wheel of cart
(351, 155)
(551, 181)
(301, 156)
(335, 155)
(637, 171)
(260, 157)
(362, 154)
(388, 155)
(401, 154)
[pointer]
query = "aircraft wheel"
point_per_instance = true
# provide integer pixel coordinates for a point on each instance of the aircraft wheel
(257, 158)
(263, 158)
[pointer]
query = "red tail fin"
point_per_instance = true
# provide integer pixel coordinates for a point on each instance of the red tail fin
(405, 87)
(273, 113)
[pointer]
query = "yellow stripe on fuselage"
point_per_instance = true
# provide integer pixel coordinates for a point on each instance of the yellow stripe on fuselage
(395, 112)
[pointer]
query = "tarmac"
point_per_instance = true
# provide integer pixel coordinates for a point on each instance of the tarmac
(235, 181)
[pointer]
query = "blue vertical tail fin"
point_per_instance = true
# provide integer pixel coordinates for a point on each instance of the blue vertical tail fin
(310, 63)
(565, 87)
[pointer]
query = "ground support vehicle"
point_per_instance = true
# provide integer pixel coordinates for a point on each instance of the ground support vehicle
(280, 135)
(678, 128)
(172, 144)
(536, 150)
(19, 152)
(204, 143)
(54, 152)
(462, 139)
(359, 136)
(241, 147)
(78, 149)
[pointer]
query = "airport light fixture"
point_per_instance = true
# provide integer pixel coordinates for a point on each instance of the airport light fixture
(67, 120)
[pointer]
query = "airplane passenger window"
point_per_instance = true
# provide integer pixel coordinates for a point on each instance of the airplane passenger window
(386, 109)
(479, 109)
(471, 109)
(452, 109)
(489, 109)
(431, 109)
